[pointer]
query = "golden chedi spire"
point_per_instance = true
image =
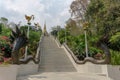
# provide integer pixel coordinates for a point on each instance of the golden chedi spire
(45, 30)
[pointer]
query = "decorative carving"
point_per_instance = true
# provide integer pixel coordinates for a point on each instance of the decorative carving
(19, 40)
(28, 18)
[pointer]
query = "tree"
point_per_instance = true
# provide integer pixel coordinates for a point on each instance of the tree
(55, 30)
(72, 27)
(0, 28)
(4, 20)
(104, 17)
(78, 8)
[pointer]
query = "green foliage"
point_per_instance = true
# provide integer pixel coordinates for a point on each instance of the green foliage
(104, 15)
(4, 31)
(61, 36)
(4, 20)
(93, 40)
(55, 30)
(94, 6)
(115, 41)
(25, 27)
(5, 48)
(115, 57)
(72, 27)
(34, 37)
(0, 28)
(93, 51)
(77, 44)
(54, 33)
(104, 18)
(115, 38)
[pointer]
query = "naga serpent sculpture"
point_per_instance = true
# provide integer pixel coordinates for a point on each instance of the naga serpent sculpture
(19, 39)
(100, 44)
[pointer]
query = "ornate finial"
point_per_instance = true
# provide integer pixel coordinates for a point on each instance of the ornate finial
(28, 18)
(37, 26)
(85, 25)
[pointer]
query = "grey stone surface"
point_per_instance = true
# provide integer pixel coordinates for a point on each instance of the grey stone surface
(27, 69)
(53, 58)
(114, 72)
(55, 65)
(63, 76)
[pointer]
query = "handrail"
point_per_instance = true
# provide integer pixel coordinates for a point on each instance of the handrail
(56, 39)
(38, 49)
(87, 59)
(70, 52)
(58, 42)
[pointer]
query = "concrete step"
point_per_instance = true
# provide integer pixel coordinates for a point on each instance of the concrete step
(63, 76)
(53, 58)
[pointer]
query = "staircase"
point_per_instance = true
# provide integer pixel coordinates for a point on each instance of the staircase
(53, 58)
(55, 65)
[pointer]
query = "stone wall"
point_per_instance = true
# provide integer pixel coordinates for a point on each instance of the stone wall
(27, 69)
(114, 72)
(8, 72)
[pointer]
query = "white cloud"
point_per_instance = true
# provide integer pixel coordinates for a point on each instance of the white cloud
(23, 6)
(65, 12)
(55, 12)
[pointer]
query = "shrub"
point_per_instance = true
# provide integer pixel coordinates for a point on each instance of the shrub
(115, 41)
(115, 57)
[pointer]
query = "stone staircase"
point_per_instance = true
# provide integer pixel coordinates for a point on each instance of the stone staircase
(53, 58)
(55, 65)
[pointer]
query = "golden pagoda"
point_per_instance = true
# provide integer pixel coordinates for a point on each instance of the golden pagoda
(44, 30)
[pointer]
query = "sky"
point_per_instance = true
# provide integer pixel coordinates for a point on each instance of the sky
(53, 12)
